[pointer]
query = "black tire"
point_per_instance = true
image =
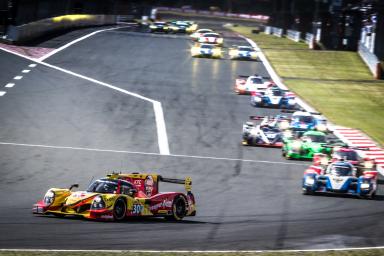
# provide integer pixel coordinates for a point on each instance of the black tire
(179, 208)
(307, 192)
(119, 210)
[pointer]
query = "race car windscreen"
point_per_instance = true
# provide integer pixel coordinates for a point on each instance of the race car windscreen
(348, 155)
(339, 170)
(211, 35)
(257, 80)
(277, 93)
(207, 46)
(317, 138)
(103, 186)
(304, 119)
(246, 48)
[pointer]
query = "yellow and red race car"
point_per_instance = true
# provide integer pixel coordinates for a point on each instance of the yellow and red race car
(118, 196)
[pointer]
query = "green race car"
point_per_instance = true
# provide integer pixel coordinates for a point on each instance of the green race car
(304, 147)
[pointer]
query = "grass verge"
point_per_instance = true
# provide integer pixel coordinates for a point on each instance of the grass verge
(372, 252)
(337, 83)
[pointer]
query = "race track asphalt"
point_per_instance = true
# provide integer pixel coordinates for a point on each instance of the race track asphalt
(245, 205)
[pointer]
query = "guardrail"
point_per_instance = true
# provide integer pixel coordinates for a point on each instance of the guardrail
(40, 28)
(371, 60)
(294, 35)
(262, 18)
(273, 31)
(310, 40)
(277, 31)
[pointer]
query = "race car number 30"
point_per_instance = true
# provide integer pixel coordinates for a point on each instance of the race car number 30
(137, 209)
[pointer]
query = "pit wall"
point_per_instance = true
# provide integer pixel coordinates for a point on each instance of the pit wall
(44, 27)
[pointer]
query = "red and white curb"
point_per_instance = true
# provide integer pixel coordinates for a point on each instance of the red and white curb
(355, 138)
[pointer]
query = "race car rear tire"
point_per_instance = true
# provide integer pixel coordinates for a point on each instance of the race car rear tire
(119, 210)
(179, 208)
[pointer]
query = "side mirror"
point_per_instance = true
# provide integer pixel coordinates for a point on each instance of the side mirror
(132, 191)
(73, 186)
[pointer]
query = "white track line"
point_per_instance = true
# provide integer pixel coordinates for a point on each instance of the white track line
(18, 77)
(197, 251)
(26, 71)
(159, 115)
(144, 153)
(9, 85)
(76, 41)
(2, 93)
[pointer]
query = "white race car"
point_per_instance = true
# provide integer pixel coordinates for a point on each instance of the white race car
(206, 51)
(242, 52)
(211, 38)
(251, 84)
(198, 33)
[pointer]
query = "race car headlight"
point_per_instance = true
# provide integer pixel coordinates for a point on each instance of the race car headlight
(285, 125)
(216, 51)
(152, 26)
(291, 101)
(98, 203)
(257, 98)
(288, 134)
(365, 185)
(193, 27)
(321, 127)
(233, 52)
(220, 40)
(309, 180)
(296, 145)
(324, 161)
(254, 54)
(174, 28)
(368, 164)
(253, 132)
(195, 50)
(49, 197)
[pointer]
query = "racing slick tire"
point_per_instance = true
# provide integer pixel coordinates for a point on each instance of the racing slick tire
(307, 192)
(119, 210)
(179, 208)
(285, 155)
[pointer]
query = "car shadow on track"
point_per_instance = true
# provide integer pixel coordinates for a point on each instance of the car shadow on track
(376, 198)
(129, 220)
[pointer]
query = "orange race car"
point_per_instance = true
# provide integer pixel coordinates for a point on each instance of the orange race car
(118, 196)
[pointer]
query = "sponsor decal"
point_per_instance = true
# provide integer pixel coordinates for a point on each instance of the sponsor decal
(164, 204)
(148, 185)
(137, 209)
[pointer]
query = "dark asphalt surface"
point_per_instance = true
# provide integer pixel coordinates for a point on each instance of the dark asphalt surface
(241, 205)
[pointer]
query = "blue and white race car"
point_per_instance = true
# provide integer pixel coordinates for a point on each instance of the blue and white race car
(305, 121)
(242, 52)
(267, 134)
(339, 178)
(274, 97)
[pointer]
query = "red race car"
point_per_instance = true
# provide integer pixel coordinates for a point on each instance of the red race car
(118, 196)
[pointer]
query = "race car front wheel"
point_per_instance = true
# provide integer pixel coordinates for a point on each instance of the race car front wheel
(179, 208)
(119, 210)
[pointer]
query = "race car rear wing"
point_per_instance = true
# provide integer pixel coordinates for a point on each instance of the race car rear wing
(295, 110)
(246, 76)
(187, 182)
(269, 118)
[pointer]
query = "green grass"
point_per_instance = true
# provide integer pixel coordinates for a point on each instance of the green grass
(377, 252)
(336, 83)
